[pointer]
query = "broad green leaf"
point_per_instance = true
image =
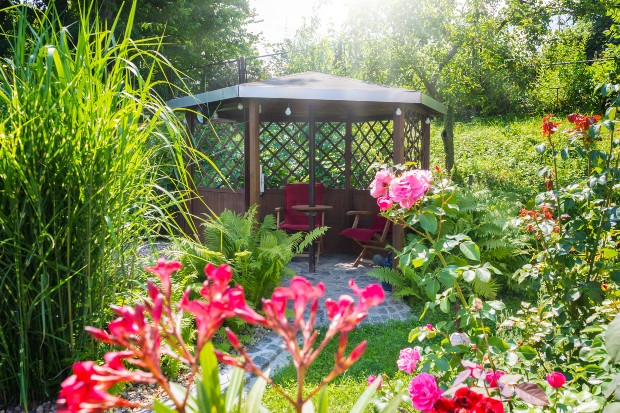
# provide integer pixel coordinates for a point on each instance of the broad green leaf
(612, 339)
(365, 398)
(612, 408)
(322, 404)
(159, 407)
(608, 124)
(565, 153)
(470, 250)
(469, 275)
(413, 334)
(392, 406)
(428, 221)
(210, 379)
(528, 352)
(483, 274)
(447, 276)
(233, 392)
(432, 288)
(444, 305)
(611, 113)
(541, 148)
(256, 395)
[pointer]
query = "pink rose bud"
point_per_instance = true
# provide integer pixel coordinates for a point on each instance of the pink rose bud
(357, 352)
(429, 327)
(556, 379)
(371, 380)
(384, 203)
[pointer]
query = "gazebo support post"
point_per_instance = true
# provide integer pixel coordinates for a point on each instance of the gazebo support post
(311, 197)
(188, 227)
(426, 145)
(398, 139)
(348, 142)
(252, 179)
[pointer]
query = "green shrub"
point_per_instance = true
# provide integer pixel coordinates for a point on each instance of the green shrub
(78, 189)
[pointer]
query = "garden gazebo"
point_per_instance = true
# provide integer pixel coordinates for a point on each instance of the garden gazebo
(304, 127)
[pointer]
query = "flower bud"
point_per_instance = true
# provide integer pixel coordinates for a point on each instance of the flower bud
(232, 338)
(477, 305)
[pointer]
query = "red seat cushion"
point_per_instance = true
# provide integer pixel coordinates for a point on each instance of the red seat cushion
(295, 227)
(360, 234)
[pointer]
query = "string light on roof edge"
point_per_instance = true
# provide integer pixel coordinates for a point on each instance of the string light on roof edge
(288, 112)
(398, 112)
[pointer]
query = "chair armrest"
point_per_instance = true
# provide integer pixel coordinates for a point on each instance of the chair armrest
(279, 210)
(349, 213)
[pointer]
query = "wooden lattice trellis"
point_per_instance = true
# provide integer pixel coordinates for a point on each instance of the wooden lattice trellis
(223, 144)
(413, 137)
(284, 153)
(372, 142)
(330, 154)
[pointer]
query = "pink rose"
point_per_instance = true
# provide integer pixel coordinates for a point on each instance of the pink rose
(379, 186)
(492, 377)
(429, 327)
(384, 203)
(424, 392)
(556, 379)
(409, 187)
(371, 380)
(408, 360)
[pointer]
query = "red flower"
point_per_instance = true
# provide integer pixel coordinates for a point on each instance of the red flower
(582, 123)
(492, 377)
(164, 270)
(556, 379)
(467, 401)
(548, 127)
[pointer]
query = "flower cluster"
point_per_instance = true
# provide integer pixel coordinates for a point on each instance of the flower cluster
(152, 329)
(405, 189)
(582, 123)
(427, 397)
(541, 222)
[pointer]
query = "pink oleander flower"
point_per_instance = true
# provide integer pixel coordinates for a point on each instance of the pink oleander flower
(408, 360)
(556, 379)
(371, 379)
(408, 188)
(379, 186)
(424, 392)
(384, 203)
(492, 377)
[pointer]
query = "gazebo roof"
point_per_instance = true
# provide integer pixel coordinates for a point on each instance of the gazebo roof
(337, 96)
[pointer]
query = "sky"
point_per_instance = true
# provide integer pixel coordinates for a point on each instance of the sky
(279, 19)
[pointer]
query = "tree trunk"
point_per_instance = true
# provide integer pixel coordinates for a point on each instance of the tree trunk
(448, 138)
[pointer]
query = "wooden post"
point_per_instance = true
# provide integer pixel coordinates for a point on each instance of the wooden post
(398, 156)
(252, 156)
(312, 166)
(188, 227)
(425, 150)
(348, 155)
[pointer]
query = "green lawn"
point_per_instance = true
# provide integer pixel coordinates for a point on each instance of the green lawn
(384, 344)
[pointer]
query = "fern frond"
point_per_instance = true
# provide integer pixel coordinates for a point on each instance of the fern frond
(486, 290)
(310, 237)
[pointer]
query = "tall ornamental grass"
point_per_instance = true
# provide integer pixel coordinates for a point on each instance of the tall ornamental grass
(79, 189)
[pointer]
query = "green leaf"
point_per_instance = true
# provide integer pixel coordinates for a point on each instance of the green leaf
(469, 275)
(483, 274)
(323, 405)
(233, 392)
(444, 305)
(159, 407)
(428, 221)
(612, 408)
(447, 276)
(365, 398)
(413, 334)
(432, 288)
(255, 396)
(608, 125)
(565, 153)
(470, 250)
(612, 339)
(210, 389)
(529, 353)
(392, 406)
(611, 113)
(541, 148)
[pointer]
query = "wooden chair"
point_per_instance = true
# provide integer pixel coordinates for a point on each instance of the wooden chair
(370, 238)
(289, 219)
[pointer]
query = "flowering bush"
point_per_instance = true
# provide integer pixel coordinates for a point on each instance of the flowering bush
(489, 361)
(151, 329)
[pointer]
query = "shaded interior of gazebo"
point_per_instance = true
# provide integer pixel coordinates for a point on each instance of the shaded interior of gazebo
(303, 128)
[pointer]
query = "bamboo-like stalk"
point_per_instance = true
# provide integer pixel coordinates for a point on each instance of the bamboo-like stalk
(81, 137)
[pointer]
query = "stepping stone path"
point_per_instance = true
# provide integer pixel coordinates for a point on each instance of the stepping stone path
(335, 271)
